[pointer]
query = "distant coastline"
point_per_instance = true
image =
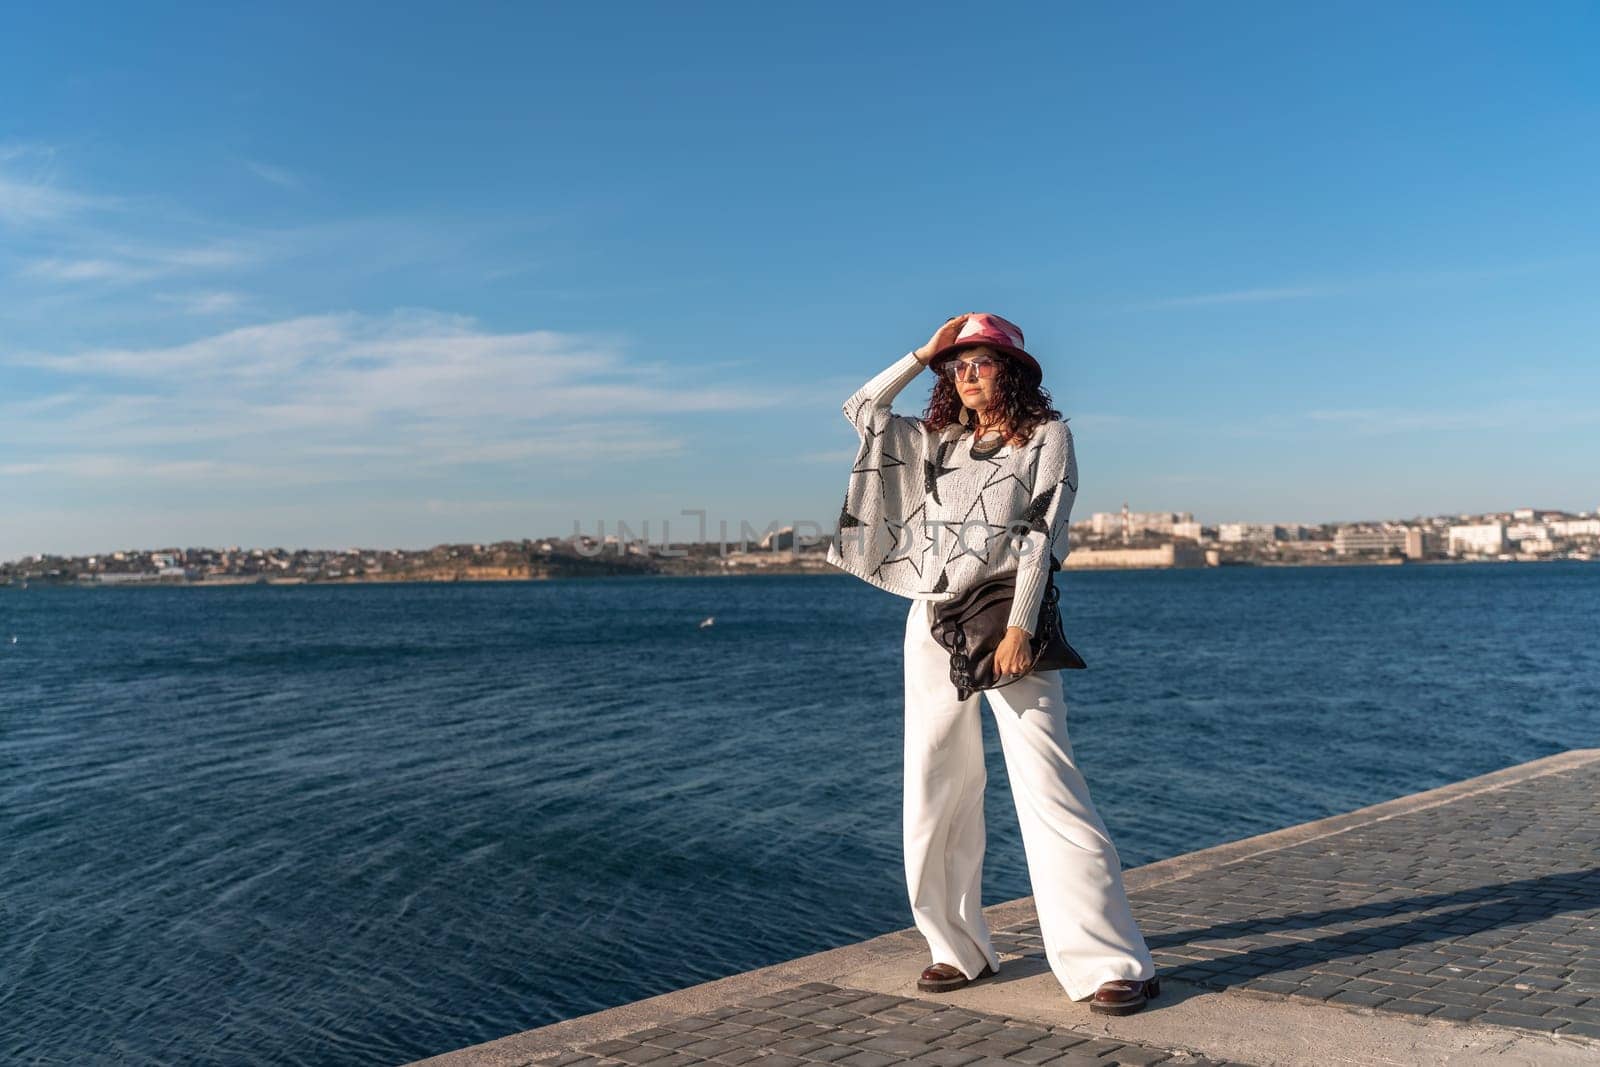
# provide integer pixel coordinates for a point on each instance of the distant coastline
(1125, 540)
(788, 569)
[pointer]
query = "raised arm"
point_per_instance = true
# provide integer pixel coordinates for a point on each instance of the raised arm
(1055, 486)
(868, 407)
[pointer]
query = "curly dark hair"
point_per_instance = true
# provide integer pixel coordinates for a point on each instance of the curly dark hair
(1021, 404)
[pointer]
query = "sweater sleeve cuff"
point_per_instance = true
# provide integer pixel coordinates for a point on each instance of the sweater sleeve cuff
(1027, 598)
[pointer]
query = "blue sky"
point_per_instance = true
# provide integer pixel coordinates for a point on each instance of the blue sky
(347, 274)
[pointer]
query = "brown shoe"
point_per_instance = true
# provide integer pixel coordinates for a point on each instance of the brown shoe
(943, 977)
(1124, 996)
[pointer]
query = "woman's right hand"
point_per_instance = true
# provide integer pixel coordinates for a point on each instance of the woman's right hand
(943, 336)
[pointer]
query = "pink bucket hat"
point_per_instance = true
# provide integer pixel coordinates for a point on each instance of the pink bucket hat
(998, 334)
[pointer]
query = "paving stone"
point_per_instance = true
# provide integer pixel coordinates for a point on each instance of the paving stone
(609, 1048)
(875, 1003)
(949, 1019)
(947, 1057)
(1516, 1006)
(1455, 1012)
(781, 1024)
(990, 1046)
(646, 1035)
(1025, 1034)
(797, 1045)
(674, 1059)
(890, 1044)
(1526, 1022)
(867, 1058)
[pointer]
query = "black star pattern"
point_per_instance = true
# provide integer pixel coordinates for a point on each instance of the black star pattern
(856, 414)
(1000, 473)
(944, 581)
(886, 459)
(959, 548)
(1035, 514)
(933, 470)
(906, 542)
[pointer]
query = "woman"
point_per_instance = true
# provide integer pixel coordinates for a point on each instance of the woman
(982, 484)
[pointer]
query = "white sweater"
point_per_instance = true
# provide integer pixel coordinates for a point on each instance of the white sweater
(926, 519)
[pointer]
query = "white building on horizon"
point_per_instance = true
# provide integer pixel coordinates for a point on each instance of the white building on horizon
(1385, 538)
(1187, 531)
(1241, 532)
(1483, 538)
(1129, 523)
(1575, 528)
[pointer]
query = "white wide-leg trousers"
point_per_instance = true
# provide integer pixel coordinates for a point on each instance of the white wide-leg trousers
(1088, 930)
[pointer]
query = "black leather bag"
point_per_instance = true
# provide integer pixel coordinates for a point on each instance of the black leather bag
(971, 626)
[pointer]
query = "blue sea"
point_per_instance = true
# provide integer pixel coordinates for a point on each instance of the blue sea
(367, 824)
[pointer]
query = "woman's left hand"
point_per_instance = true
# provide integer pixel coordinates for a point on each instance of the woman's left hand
(1014, 654)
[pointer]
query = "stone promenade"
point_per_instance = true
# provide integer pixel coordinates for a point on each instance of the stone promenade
(1456, 926)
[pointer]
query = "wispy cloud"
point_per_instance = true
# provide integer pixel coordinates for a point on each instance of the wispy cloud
(31, 195)
(279, 176)
(1373, 282)
(348, 397)
(124, 263)
(1511, 415)
(214, 302)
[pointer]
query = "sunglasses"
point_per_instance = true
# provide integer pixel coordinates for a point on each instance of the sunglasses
(982, 367)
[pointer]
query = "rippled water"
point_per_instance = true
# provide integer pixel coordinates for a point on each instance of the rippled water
(372, 823)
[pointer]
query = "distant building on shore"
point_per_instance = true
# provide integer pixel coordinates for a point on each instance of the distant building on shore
(1187, 531)
(1248, 532)
(1350, 540)
(1478, 539)
(1132, 523)
(1575, 527)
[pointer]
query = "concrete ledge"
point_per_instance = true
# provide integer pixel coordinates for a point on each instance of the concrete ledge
(879, 962)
